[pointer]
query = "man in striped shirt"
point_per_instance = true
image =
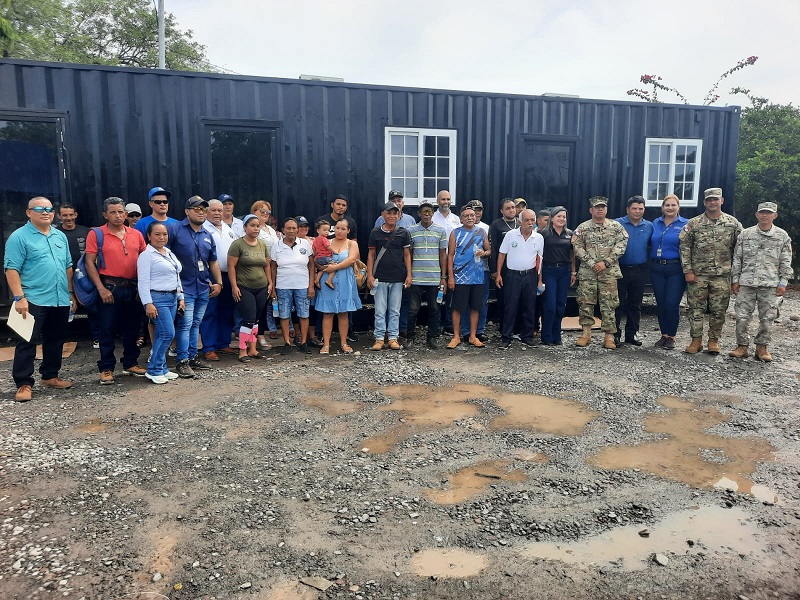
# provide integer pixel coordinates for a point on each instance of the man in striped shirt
(428, 267)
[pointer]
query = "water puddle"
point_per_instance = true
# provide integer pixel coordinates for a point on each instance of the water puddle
(760, 492)
(707, 529)
(330, 406)
(438, 407)
(451, 562)
(92, 426)
(690, 455)
(471, 481)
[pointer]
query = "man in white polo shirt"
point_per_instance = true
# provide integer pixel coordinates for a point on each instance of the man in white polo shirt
(521, 253)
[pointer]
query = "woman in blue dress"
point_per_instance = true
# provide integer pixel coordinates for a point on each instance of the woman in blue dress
(343, 298)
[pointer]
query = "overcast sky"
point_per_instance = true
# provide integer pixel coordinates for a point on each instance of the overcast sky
(591, 48)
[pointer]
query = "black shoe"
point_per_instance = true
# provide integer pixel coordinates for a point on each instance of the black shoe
(433, 343)
(448, 332)
(303, 348)
(315, 343)
(632, 340)
(409, 344)
(184, 370)
(505, 345)
(352, 336)
(197, 363)
(403, 333)
(530, 342)
(617, 340)
(286, 349)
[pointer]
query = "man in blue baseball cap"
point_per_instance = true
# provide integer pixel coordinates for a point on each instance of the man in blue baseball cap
(159, 206)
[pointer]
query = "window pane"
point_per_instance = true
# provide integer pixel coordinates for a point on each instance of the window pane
(442, 184)
(412, 145)
(429, 167)
(397, 166)
(678, 191)
(689, 172)
(662, 189)
(652, 173)
(679, 170)
(411, 188)
(663, 173)
(430, 145)
(443, 145)
(397, 144)
(430, 188)
(443, 167)
(411, 167)
(397, 184)
(691, 156)
(688, 191)
(680, 153)
(652, 191)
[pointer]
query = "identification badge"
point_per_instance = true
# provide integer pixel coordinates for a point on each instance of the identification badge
(658, 252)
(200, 266)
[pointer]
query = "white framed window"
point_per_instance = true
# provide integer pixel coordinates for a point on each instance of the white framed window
(672, 166)
(420, 163)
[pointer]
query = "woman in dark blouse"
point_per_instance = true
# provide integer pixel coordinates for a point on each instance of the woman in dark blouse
(558, 274)
(666, 273)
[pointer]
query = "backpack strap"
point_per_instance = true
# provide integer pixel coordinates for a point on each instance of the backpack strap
(98, 232)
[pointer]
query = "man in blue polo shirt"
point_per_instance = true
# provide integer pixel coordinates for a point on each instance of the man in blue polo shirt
(39, 274)
(200, 277)
(635, 269)
(159, 206)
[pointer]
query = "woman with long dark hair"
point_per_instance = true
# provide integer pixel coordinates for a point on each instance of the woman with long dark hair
(558, 274)
(666, 272)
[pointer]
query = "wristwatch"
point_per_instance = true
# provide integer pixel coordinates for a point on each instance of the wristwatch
(607, 264)
(18, 298)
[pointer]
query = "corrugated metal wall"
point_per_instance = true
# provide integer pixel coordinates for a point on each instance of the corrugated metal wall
(129, 129)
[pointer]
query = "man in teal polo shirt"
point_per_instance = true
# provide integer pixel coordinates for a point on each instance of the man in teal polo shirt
(39, 274)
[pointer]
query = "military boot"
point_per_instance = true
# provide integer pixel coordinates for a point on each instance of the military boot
(740, 352)
(695, 346)
(608, 342)
(762, 353)
(713, 346)
(586, 337)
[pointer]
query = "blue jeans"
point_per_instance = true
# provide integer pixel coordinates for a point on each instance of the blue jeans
(669, 284)
(554, 301)
(482, 313)
(388, 298)
(123, 316)
(189, 325)
(166, 304)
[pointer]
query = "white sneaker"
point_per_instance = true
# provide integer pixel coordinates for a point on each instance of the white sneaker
(96, 344)
(169, 375)
(172, 352)
(156, 378)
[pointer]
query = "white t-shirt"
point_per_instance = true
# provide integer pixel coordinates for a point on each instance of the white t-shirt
(292, 264)
(522, 254)
(450, 222)
(222, 240)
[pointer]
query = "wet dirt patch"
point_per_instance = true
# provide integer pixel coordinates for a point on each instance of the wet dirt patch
(92, 426)
(288, 590)
(470, 481)
(451, 562)
(329, 406)
(707, 529)
(540, 413)
(690, 455)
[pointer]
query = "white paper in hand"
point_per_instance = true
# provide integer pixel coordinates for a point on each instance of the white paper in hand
(24, 327)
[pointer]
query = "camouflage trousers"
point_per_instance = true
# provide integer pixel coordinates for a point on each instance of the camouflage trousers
(711, 293)
(746, 302)
(598, 290)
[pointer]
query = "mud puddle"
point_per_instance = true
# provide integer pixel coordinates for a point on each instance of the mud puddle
(438, 407)
(451, 562)
(472, 480)
(92, 426)
(707, 529)
(690, 455)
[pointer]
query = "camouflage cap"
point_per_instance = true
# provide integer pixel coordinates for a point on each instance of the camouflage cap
(475, 204)
(768, 207)
(712, 193)
(597, 201)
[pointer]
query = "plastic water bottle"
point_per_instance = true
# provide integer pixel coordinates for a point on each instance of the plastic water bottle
(540, 290)
(475, 253)
(374, 288)
(71, 316)
(440, 295)
(275, 312)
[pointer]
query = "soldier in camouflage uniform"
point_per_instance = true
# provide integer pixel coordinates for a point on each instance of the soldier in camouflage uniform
(706, 244)
(762, 265)
(598, 244)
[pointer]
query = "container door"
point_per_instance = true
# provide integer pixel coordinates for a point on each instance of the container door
(545, 168)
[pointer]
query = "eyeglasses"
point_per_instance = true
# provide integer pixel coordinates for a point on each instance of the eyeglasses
(160, 201)
(42, 209)
(426, 212)
(265, 211)
(134, 214)
(200, 209)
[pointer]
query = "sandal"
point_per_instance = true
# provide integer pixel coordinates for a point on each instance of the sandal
(244, 359)
(346, 349)
(325, 350)
(256, 355)
(477, 343)
(273, 335)
(454, 343)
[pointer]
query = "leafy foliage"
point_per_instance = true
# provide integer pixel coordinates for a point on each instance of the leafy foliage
(768, 167)
(105, 32)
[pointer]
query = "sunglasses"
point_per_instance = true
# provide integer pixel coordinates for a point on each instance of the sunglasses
(134, 214)
(160, 201)
(42, 209)
(200, 209)
(426, 212)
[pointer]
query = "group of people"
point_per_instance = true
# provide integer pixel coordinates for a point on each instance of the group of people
(225, 281)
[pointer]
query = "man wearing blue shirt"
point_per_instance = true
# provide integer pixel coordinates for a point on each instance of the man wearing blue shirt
(201, 279)
(159, 206)
(38, 270)
(634, 268)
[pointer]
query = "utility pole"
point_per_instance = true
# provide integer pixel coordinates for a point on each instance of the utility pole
(162, 54)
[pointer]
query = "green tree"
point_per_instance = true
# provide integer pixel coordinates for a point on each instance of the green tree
(104, 32)
(768, 166)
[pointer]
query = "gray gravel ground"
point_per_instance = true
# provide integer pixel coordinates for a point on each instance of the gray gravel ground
(295, 477)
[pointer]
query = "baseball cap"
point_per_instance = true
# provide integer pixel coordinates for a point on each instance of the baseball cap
(768, 207)
(519, 201)
(391, 206)
(395, 194)
(301, 221)
(598, 201)
(133, 207)
(426, 203)
(195, 201)
(158, 190)
(475, 204)
(712, 193)
(225, 198)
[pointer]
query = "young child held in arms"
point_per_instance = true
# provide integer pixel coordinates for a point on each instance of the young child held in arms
(323, 255)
